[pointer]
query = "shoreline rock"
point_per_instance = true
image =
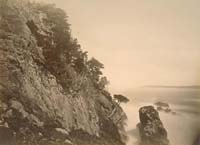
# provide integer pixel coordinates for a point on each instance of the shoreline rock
(165, 107)
(151, 129)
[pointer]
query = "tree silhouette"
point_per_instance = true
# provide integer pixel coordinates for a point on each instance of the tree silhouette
(121, 98)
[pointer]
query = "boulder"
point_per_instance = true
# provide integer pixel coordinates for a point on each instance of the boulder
(151, 129)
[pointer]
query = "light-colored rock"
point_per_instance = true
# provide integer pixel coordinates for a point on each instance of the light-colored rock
(57, 134)
(62, 131)
(68, 142)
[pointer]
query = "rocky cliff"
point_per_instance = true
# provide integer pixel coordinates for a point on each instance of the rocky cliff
(47, 83)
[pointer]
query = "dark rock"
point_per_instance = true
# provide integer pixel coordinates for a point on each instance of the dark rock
(168, 110)
(152, 131)
(159, 108)
(162, 104)
(6, 136)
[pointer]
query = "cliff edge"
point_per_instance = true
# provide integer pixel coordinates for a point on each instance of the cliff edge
(50, 91)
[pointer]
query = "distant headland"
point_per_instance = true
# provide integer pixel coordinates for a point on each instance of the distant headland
(171, 86)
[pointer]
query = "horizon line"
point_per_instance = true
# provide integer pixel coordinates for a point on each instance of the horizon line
(173, 86)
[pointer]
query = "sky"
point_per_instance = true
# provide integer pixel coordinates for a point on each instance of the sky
(140, 42)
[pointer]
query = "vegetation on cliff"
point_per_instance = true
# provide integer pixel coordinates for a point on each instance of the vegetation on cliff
(50, 91)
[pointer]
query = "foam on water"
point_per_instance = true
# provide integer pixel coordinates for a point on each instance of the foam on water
(182, 127)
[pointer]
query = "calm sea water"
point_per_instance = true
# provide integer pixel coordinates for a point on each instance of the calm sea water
(182, 127)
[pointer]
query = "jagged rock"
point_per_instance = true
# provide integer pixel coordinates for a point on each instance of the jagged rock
(152, 131)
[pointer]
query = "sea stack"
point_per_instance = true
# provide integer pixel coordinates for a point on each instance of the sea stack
(151, 129)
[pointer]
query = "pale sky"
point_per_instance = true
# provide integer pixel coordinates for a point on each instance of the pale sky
(140, 42)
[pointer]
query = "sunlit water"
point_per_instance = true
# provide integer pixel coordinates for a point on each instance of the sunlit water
(182, 127)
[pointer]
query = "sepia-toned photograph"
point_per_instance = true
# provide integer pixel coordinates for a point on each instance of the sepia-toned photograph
(99, 72)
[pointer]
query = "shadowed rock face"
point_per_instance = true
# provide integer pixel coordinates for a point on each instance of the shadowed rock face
(6, 136)
(152, 131)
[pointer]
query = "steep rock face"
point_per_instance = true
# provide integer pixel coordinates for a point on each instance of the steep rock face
(32, 94)
(152, 131)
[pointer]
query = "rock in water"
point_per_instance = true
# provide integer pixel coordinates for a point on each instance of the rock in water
(162, 104)
(152, 131)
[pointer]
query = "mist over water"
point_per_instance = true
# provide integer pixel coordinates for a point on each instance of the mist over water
(183, 126)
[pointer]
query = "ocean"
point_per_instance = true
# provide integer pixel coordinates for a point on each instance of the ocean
(183, 125)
